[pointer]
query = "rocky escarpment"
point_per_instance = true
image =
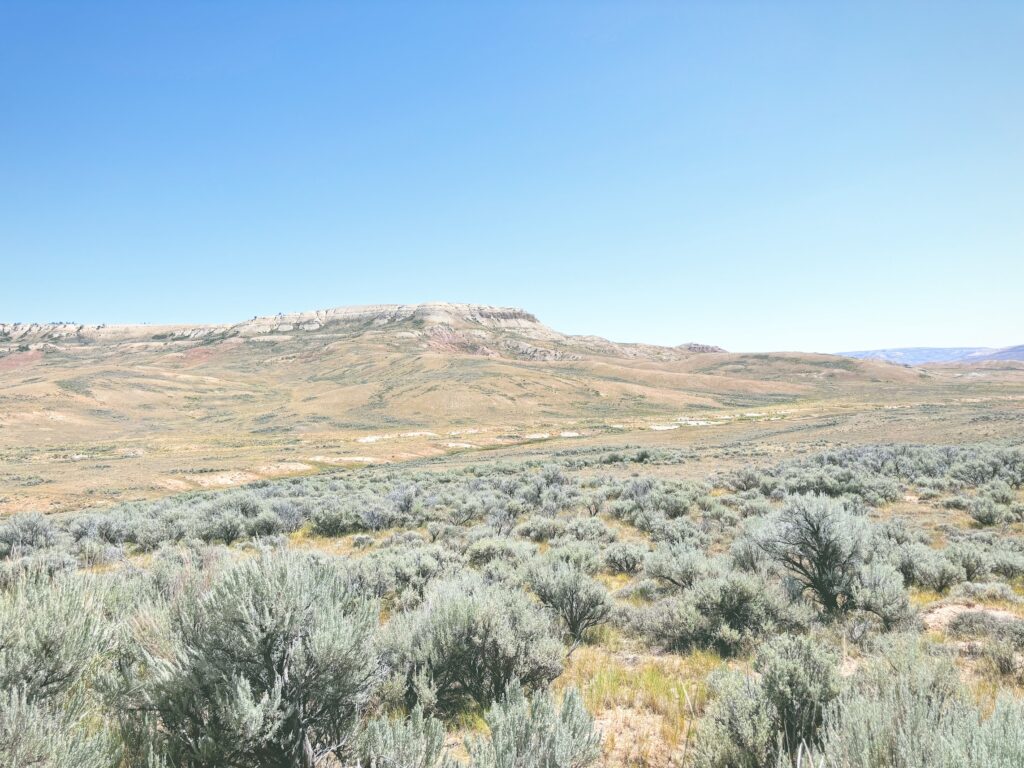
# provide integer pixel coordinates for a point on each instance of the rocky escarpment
(699, 348)
(474, 329)
(382, 315)
(378, 315)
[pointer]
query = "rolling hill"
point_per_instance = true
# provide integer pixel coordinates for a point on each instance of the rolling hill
(928, 355)
(1007, 353)
(91, 414)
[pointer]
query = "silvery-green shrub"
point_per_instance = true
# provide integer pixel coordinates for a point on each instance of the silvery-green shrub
(678, 565)
(728, 613)
(580, 602)
(416, 741)
(624, 557)
(820, 545)
(879, 591)
(52, 736)
(908, 709)
(51, 630)
(468, 640)
(25, 532)
(536, 733)
(270, 666)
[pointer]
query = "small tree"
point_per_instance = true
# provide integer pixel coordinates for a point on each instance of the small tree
(820, 545)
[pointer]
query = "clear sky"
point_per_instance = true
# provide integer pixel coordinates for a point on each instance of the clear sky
(759, 175)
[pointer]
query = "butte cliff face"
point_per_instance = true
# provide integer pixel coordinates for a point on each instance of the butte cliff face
(466, 328)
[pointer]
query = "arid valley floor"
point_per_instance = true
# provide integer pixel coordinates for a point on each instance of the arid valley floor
(95, 415)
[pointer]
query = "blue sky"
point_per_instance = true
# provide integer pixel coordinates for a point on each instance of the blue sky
(818, 176)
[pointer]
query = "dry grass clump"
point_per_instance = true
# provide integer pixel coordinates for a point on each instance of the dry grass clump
(646, 705)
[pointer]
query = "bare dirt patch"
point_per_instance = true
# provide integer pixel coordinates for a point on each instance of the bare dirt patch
(344, 459)
(20, 359)
(225, 479)
(283, 468)
(939, 617)
(173, 484)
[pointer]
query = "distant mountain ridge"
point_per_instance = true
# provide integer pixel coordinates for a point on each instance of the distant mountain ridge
(927, 355)
(1006, 353)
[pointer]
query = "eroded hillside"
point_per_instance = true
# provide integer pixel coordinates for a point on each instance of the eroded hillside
(100, 413)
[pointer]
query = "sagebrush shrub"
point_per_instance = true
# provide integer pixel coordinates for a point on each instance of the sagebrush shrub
(624, 557)
(986, 591)
(589, 529)
(467, 641)
(486, 550)
(272, 666)
(580, 602)
(937, 572)
(907, 709)
(986, 511)
(224, 526)
(737, 729)
(20, 534)
(984, 624)
(540, 528)
(798, 679)
(44, 563)
(879, 591)
(402, 571)
(585, 555)
(727, 613)
(51, 630)
(536, 733)
(52, 736)
(413, 742)
(678, 565)
(758, 720)
(820, 545)
(999, 491)
(974, 559)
